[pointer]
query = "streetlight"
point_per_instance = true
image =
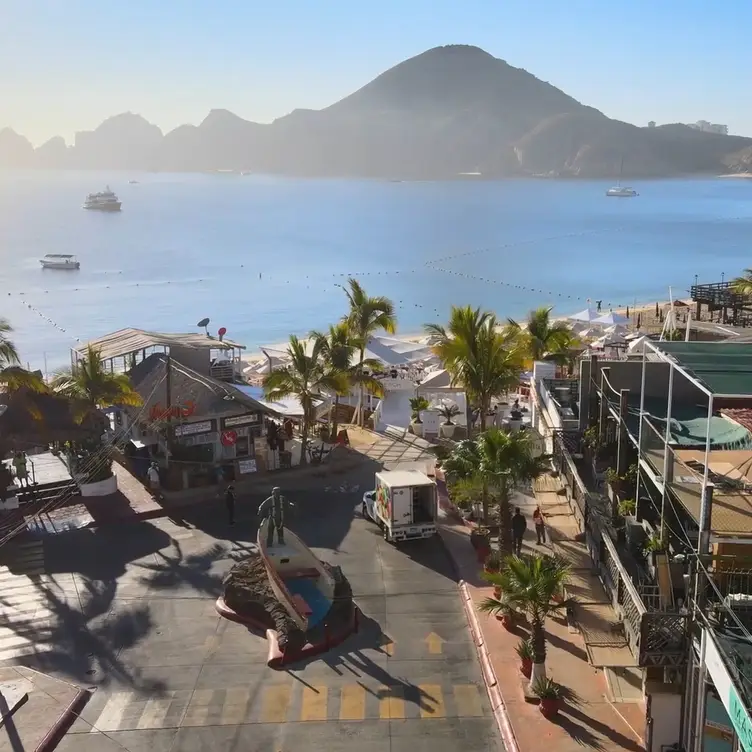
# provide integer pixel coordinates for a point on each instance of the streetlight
(723, 277)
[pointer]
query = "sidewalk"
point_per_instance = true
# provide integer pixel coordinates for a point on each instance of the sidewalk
(596, 721)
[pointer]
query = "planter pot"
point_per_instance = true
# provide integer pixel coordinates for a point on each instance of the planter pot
(100, 488)
(507, 621)
(497, 593)
(446, 430)
(549, 707)
(482, 553)
(417, 429)
(490, 570)
(526, 667)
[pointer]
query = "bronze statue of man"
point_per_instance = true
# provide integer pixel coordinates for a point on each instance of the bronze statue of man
(274, 508)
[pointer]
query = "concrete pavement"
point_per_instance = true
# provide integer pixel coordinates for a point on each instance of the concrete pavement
(129, 610)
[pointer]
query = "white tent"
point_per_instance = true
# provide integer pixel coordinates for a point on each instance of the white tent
(638, 345)
(588, 315)
(611, 318)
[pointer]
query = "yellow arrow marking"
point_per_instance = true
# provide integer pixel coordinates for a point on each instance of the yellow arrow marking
(434, 643)
(387, 644)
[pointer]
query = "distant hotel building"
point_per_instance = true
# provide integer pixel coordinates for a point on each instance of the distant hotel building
(706, 127)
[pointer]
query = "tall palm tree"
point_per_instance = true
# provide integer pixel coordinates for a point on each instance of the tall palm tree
(743, 285)
(90, 386)
(478, 356)
(534, 585)
(543, 339)
(305, 377)
(338, 349)
(19, 384)
(367, 315)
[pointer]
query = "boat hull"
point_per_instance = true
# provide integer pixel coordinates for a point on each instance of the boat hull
(67, 267)
(113, 207)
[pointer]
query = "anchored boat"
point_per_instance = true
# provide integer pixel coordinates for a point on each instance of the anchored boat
(60, 261)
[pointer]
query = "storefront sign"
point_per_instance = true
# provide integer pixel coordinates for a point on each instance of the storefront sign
(241, 420)
(189, 429)
(228, 438)
(159, 412)
(727, 692)
(246, 466)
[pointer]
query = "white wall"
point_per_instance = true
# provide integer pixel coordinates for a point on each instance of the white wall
(665, 710)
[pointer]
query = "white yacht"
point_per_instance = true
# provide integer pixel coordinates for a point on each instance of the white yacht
(59, 261)
(104, 201)
(622, 191)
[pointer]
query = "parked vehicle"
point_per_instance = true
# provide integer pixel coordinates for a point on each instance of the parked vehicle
(403, 505)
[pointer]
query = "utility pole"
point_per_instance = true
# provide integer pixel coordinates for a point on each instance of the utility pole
(168, 400)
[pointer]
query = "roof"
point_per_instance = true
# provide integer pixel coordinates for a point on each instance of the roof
(290, 407)
(723, 368)
(404, 478)
(127, 341)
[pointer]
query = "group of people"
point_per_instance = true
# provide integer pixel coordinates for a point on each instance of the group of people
(519, 526)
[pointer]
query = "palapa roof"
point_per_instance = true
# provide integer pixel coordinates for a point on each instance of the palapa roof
(126, 341)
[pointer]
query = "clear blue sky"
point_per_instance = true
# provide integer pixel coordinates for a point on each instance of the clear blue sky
(65, 65)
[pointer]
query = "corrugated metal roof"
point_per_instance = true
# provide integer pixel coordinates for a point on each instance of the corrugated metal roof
(126, 341)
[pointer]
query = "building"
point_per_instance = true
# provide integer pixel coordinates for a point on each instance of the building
(706, 127)
(651, 124)
(656, 450)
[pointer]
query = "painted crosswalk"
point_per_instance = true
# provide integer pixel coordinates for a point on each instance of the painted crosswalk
(26, 621)
(283, 703)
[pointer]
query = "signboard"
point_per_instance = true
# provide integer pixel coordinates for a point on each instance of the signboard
(228, 438)
(727, 692)
(241, 420)
(246, 466)
(189, 429)
(160, 412)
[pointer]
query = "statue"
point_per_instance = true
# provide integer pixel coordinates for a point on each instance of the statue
(274, 509)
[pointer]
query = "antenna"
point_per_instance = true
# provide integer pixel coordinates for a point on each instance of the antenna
(205, 324)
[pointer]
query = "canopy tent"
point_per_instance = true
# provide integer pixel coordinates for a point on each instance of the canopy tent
(611, 318)
(588, 315)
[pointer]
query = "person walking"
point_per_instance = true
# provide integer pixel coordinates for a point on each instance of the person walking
(153, 475)
(19, 465)
(274, 508)
(230, 504)
(519, 525)
(540, 525)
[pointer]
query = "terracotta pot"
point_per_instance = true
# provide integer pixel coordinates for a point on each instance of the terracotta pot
(497, 593)
(549, 707)
(490, 570)
(526, 667)
(482, 553)
(507, 621)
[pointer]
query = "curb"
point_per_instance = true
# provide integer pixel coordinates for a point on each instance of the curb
(498, 706)
(278, 658)
(58, 730)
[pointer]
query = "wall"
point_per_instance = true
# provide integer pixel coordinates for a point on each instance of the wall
(198, 360)
(665, 710)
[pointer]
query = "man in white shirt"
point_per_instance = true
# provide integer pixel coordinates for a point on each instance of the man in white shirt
(153, 475)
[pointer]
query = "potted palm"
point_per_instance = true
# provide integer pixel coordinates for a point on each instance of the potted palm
(417, 405)
(448, 411)
(492, 563)
(524, 651)
(550, 694)
(480, 540)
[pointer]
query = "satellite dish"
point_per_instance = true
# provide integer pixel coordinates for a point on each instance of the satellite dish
(222, 331)
(204, 323)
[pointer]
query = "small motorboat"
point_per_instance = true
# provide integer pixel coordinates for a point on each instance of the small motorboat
(60, 261)
(299, 581)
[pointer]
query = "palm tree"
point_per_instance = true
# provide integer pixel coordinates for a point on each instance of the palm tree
(90, 386)
(484, 360)
(367, 315)
(305, 377)
(543, 339)
(18, 383)
(534, 585)
(499, 460)
(338, 348)
(743, 285)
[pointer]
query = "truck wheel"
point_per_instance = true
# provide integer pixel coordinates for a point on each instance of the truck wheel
(364, 512)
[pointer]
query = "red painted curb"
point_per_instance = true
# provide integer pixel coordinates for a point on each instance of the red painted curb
(278, 658)
(55, 735)
(495, 697)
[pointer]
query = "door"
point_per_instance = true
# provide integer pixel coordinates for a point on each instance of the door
(402, 513)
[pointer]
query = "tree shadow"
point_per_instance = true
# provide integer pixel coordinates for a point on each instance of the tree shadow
(587, 732)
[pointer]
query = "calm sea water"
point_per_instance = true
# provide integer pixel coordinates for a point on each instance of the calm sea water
(263, 256)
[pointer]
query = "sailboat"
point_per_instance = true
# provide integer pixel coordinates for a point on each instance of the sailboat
(619, 190)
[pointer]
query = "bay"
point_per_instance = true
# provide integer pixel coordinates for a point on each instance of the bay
(263, 256)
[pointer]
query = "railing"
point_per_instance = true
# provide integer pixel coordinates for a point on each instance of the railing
(652, 446)
(556, 411)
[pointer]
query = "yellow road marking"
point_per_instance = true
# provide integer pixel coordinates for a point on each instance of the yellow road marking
(235, 706)
(197, 712)
(155, 712)
(468, 701)
(276, 704)
(392, 704)
(431, 701)
(352, 704)
(434, 643)
(314, 703)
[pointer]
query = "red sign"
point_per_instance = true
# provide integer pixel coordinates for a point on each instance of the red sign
(228, 438)
(158, 412)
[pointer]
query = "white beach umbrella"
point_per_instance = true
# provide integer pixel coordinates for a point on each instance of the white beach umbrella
(616, 329)
(588, 315)
(611, 318)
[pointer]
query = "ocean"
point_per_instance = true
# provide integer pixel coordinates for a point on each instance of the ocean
(264, 256)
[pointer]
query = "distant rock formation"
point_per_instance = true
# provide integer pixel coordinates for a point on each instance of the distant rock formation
(447, 111)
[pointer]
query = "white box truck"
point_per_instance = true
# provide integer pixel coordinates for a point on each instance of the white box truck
(403, 505)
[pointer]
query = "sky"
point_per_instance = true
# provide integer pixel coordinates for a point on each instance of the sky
(66, 65)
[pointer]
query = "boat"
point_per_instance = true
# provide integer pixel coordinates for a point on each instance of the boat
(299, 581)
(133, 182)
(104, 201)
(619, 190)
(59, 261)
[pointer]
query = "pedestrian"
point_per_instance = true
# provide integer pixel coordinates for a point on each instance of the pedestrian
(153, 475)
(519, 525)
(230, 504)
(19, 465)
(540, 526)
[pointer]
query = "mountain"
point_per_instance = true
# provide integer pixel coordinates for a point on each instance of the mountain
(447, 111)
